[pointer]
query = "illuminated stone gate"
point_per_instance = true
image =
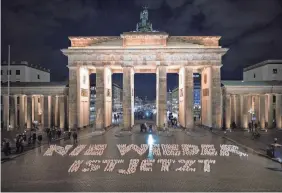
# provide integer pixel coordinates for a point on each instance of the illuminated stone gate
(144, 51)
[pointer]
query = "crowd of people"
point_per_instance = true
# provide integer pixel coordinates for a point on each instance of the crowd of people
(29, 138)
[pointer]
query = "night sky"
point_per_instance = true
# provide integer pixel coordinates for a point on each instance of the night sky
(38, 29)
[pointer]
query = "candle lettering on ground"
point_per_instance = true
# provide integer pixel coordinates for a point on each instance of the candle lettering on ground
(123, 148)
(165, 164)
(170, 149)
(208, 149)
(187, 165)
(188, 149)
(75, 166)
(133, 163)
(92, 166)
(111, 164)
(226, 149)
(207, 162)
(156, 150)
(58, 149)
(96, 149)
(140, 150)
(77, 150)
(147, 165)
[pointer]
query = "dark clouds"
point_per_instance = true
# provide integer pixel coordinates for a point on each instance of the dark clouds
(37, 29)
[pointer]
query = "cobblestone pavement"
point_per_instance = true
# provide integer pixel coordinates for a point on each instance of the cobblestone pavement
(259, 144)
(35, 172)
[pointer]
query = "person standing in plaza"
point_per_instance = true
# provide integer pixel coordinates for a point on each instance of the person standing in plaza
(49, 134)
(115, 118)
(74, 135)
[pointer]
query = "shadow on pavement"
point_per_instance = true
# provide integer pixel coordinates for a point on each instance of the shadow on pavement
(275, 169)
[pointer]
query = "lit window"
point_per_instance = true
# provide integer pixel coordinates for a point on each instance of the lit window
(275, 71)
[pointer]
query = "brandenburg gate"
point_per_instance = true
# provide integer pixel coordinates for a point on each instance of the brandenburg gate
(144, 51)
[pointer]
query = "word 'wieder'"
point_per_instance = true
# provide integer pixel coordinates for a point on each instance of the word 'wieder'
(146, 165)
(155, 150)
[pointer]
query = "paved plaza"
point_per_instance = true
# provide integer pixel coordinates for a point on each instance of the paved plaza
(35, 172)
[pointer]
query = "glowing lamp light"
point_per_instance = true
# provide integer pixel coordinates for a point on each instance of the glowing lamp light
(150, 140)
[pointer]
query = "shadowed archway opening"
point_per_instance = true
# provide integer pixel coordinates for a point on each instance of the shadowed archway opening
(145, 97)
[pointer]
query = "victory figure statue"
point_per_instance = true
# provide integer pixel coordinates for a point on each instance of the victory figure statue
(144, 25)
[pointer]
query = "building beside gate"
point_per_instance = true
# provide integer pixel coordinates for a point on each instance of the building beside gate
(256, 98)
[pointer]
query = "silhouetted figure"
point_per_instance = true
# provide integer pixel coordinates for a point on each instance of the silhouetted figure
(19, 144)
(7, 148)
(39, 138)
(49, 134)
(150, 128)
(233, 125)
(59, 132)
(250, 126)
(34, 138)
(115, 118)
(74, 135)
(69, 134)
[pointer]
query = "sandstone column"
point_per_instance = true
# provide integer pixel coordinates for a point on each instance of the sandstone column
(249, 107)
(29, 112)
(62, 111)
(262, 111)
(216, 94)
(206, 112)
(12, 112)
(74, 91)
(32, 108)
(47, 111)
(228, 110)
(57, 112)
(278, 111)
(128, 98)
(41, 111)
(25, 110)
(53, 104)
(161, 96)
(270, 110)
(36, 113)
(186, 97)
(83, 96)
(232, 99)
(67, 111)
(22, 112)
(237, 111)
(256, 107)
(36, 108)
(16, 112)
(100, 98)
(244, 111)
(6, 112)
(211, 92)
(108, 96)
